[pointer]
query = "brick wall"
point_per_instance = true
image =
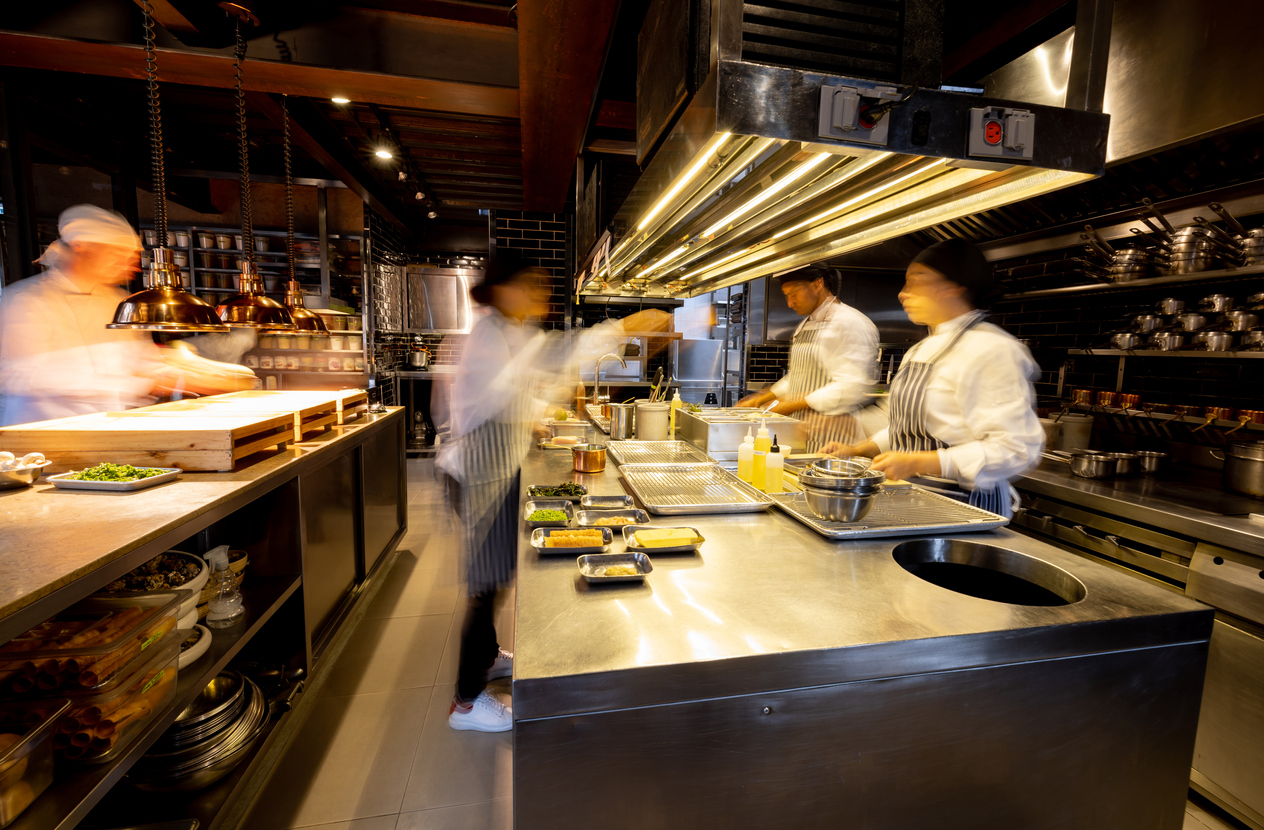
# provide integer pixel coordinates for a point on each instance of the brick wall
(385, 264)
(542, 239)
(766, 364)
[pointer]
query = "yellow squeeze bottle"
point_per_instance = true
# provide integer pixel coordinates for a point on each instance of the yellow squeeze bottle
(759, 465)
(676, 403)
(746, 458)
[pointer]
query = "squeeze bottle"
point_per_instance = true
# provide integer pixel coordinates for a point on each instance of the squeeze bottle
(745, 457)
(676, 403)
(775, 464)
(760, 460)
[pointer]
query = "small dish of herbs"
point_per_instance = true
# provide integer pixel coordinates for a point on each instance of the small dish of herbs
(109, 476)
(566, 490)
(116, 472)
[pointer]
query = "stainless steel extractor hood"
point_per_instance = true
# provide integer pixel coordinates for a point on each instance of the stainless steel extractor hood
(773, 168)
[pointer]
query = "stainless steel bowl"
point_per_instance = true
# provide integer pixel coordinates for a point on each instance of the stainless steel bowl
(1152, 463)
(13, 479)
(867, 482)
(840, 467)
(834, 506)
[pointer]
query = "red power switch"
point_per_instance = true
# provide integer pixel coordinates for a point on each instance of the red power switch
(993, 132)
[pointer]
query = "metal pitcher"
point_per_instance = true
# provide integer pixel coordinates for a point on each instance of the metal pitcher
(622, 418)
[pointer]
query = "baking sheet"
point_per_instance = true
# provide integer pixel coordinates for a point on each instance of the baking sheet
(657, 452)
(911, 511)
(679, 490)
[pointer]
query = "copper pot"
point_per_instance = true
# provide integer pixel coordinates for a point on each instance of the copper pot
(1254, 416)
(1130, 401)
(589, 458)
(1107, 398)
(1082, 397)
(1221, 413)
(1185, 411)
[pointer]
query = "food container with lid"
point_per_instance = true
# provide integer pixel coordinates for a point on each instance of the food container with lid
(335, 342)
(266, 361)
(348, 364)
(26, 753)
(205, 240)
(302, 341)
(99, 725)
(652, 420)
(182, 239)
(87, 644)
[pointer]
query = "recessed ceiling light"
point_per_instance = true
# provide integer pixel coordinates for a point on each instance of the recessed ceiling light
(383, 154)
(433, 215)
(340, 100)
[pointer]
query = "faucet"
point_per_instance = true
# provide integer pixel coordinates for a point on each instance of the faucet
(597, 377)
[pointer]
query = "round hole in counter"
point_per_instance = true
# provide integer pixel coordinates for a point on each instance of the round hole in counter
(1219, 560)
(989, 572)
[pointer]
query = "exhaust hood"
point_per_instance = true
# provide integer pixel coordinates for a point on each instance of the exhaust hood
(770, 169)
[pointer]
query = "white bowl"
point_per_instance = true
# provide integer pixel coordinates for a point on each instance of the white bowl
(199, 648)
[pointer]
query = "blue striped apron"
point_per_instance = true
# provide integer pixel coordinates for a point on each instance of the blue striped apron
(807, 373)
(908, 431)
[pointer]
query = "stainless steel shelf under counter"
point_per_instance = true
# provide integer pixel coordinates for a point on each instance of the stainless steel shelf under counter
(777, 679)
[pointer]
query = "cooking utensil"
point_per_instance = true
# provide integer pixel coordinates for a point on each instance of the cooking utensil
(1218, 303)
(1191, 321)
(1170, 305)
(1126, 340)
(1167, 226)
(1244, 468)
(15, 479)
(865, 482)
(622, 421)
(1146, 323)
(1125, 463)
(841, 467)
(1252, 340)
(1254, 416)
(1130, 401)
(1218, 233)
(589, 458)
(1167, 341)
(1152, 463)
(1098, 244)
(1240, 320)
(1107, 398)
(834, 506)
(1182, 411)
(561, 505)
(593, 567)
(1160, 242)
(1082, 397)
(419, 359)
(1191, 264)
(1219, 413)
(1217, 341)
(1233, 223)
(606, 502)
(1087, 464)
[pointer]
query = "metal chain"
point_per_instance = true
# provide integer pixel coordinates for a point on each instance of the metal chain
(289, 186)
(243, 153)
(158, 167)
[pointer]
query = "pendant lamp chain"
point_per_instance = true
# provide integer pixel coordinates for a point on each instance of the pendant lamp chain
(289, 186)
(243, 153)
(157, 163)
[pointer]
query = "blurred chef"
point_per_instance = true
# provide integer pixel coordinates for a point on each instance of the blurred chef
(832, 361)
(57, 358)
(962, 403)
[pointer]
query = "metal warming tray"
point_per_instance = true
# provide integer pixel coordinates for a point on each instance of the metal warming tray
(910, 511)
(678, 490)
(719, 432)
(657, 452)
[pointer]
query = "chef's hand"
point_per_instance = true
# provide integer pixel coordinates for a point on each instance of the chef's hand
(866, 450)
(905, 465)
(757, 399)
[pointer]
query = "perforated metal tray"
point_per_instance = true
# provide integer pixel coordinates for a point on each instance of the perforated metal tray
(600, 421)
(689, 489)
(909, 511)
(657, 452)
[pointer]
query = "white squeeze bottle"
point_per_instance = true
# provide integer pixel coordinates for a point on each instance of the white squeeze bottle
(676, 403)
(226, 606)
(760, 460)
(745, 457)
(775, 464)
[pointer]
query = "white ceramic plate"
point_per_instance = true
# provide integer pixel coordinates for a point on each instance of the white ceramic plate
(64, 481)
(197, 650)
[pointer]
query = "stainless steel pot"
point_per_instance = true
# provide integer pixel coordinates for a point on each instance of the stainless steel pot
(1126, 340)
(419, 359)
(1244, 468)
(1092, 465)
(1218, 303)
(1191, 264)
(1217, 341)
(1152, 463)
(1125, 463)
(622, 421)
(1146, 323)
(1168, 341)
(1253, 339)
(1190, 321)
(1240, 320)
(589, 458)
(1170, 306)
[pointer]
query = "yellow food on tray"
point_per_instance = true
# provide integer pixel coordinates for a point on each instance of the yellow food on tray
(620, 570)
(666, 537)
(574, 539)
(561, 534)
(611, 521)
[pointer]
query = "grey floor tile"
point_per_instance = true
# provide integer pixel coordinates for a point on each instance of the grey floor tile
(350, 761)
(451, 650)
(453, 768)
(411, 590)
(484, 815)
(387, 654)
(375, 823)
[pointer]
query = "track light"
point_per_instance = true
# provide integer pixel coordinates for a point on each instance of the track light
(340, 100)
(419, 195)
(384, 153)
(433, 215)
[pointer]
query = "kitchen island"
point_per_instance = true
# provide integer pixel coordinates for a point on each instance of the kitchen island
(777, 679)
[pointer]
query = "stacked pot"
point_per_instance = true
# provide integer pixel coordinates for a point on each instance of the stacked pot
(840, 490)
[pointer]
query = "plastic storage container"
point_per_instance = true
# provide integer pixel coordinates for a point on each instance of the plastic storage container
(89, 643)
(98, 725)
(651, 421)
(26, 753)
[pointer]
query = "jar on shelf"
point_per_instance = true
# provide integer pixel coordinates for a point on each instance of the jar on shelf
(348, 364)
(270, 382)
(283, 341)
(292, 363)
(355, 342)
(336, 341)
(335, 364)
(302, 341)
(252, 361)
(205, 240)
(182, 239)
(267, 341)
(265, 362)
(307, 363)
(224, 242)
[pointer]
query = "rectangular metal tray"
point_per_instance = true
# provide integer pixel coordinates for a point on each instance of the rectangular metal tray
(607, 503)
(64, 481)
(680, 490)
(588, 518)
(549, 504)
(531, 494)
(539, 534)
(657, 452)
(592, 567)
(910, 511)
(629, 535)
(599, 421)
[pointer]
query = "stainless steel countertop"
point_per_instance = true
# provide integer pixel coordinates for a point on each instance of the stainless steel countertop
(1169, 503)
(768, 604)
(426, 374)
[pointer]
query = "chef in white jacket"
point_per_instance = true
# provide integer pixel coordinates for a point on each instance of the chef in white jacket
(963, 418)
(832, 361)
(57, 358)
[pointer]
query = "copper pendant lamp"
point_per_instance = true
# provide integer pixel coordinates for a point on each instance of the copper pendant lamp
(304, 319)
(249, 308)
(162, 305)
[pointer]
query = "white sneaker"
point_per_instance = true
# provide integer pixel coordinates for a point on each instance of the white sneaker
(485, 714)
(502, 666)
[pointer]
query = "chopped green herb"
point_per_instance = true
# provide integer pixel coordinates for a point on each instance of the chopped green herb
(116, 472)
(547, 516)
(564, 490)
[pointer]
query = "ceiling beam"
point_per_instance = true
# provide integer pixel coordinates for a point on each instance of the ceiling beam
(561, 44)
(204, 69)
(312, 131)
(454, 12)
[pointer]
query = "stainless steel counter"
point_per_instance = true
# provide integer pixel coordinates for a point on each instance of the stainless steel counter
(436, 370)
(1188, 502)
(780, 679)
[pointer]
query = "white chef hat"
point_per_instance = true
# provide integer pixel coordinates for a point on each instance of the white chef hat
(89, 223)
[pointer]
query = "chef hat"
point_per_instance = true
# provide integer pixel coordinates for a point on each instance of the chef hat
(88, 223)
(963, 263)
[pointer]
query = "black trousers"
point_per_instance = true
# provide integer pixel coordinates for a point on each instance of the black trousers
(478, 646)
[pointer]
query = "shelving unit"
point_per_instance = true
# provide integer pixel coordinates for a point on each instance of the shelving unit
(1182, 279)
(1147, 353)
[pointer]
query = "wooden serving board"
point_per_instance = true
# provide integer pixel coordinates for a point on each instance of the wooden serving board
(195, 441)
(311, 412)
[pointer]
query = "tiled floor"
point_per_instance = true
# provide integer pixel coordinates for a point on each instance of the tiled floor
(377, 753)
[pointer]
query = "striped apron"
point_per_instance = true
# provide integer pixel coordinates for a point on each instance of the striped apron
(807, 373)
(908, 432)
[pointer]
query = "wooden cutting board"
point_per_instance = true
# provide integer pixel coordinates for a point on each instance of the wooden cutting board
(311, 412)
(189, 440)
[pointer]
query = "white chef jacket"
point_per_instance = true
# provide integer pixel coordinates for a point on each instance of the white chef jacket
(847, 344)
(58, 359)
(980, 403)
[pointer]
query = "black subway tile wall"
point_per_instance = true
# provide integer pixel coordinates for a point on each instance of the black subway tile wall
(385, 266)
(766, 364)
(541, 238)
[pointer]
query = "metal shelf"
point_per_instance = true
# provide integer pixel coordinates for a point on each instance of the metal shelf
(1181, 279)
(1163, 416)
(1253, 355)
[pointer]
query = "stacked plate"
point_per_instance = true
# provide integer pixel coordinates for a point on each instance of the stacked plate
(839, 489)
(209, 738)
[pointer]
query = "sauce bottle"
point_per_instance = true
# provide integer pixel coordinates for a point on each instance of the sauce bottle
(759, 467)
(774, 466)
(676, 403)
(745, 457)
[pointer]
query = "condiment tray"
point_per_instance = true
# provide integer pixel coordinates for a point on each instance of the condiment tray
(607, 502)
(593, 567)
(533, 492)
(64, 481)
(629, 539)
(590, 518)
(550, 504)
(540, 534)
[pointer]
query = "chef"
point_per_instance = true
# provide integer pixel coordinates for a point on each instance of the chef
(832, 361)
(57, 358)
(962, 403)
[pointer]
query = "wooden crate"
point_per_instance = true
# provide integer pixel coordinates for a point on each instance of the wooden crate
(196, 441)
(352, 404)
(311, 412)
